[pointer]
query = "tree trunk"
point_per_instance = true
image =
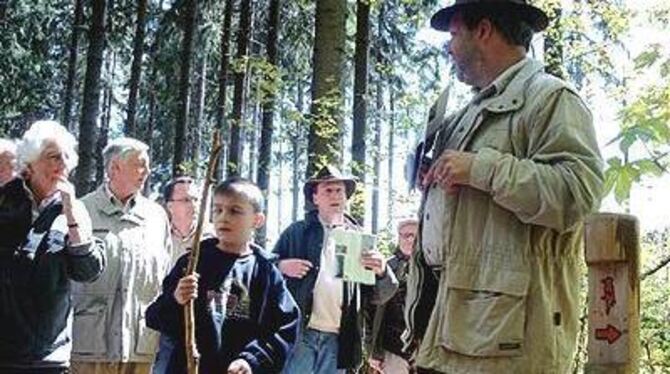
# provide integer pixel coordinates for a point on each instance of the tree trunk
(105, 119)
(358, 137)
(91, 102)
(190, 25)
(325, 129)
(153, 107)
(198, 125)
(235, 149)
(252, 129)
(295, 160)
(267, 125)
(377, 150)
(68, 100)
(280, 190)
(136, 68)
(553, 45)
(391, 148)
(377, 155)
(223, 85)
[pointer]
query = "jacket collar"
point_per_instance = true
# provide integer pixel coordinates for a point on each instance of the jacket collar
(507, 92)
(134, 211)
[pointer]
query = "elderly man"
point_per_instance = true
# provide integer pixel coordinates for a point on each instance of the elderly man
(110, 335)
(181, 202)
(332, 337)
(495, 285)
(7, 161)
(386, 350)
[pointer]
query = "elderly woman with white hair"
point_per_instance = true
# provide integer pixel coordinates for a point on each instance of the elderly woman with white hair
(45, 242)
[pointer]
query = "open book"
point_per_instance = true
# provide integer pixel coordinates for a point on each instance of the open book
(349, 247)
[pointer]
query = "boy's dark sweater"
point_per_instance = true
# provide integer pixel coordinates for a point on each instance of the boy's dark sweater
(243, 310)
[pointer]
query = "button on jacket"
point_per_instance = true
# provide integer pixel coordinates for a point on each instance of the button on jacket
(109, 321)
(500, 294)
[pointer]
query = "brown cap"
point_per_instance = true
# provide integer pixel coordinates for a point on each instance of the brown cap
(537, 18)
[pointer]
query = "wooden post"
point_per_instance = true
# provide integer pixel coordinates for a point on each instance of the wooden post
(612, 256)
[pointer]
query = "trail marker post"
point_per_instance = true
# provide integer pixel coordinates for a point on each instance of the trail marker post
(612, 244)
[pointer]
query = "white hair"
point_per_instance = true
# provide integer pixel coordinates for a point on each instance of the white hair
(406, 220)
(121, 148)
(7, 145)
(38, 136)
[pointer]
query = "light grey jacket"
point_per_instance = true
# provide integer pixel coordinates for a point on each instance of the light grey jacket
(109, 313)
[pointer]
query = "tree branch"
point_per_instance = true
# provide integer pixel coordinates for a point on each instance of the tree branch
(656, 268)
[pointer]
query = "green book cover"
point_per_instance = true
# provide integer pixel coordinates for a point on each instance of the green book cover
(349, 247)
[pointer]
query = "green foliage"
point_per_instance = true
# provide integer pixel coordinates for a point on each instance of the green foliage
(655, 306)
(33, 37)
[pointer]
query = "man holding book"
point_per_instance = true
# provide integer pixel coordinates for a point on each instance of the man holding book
(332, 335)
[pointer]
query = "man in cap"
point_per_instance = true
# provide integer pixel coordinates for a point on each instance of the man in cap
(332, 336)
(495, 285)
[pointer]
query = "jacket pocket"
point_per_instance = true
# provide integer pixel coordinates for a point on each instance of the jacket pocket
(146, 339)
(485, 315)
(90, 326)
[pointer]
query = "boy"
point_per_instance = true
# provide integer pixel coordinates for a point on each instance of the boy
(246, 320)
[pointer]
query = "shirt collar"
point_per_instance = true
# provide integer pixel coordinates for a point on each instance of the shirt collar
(116, 202)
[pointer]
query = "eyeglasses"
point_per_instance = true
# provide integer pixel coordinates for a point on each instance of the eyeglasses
(407, 235)
(184, 200)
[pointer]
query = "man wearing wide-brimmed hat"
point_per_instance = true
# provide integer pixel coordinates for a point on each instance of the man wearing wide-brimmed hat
(494, 286)
(332, 335)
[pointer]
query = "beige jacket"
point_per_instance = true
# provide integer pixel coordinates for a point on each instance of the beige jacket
(505, 294)
(109, 313)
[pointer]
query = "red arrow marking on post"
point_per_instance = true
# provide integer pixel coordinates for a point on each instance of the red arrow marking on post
(610, 333)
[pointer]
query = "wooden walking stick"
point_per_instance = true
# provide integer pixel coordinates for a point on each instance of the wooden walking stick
(192, 355)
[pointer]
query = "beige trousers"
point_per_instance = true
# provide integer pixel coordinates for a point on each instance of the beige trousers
(394, 364)
(110, 368)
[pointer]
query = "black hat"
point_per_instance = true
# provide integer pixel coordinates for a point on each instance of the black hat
(536, 17)
(328, 173)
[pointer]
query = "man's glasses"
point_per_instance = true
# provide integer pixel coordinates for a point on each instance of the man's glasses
(184, 200)
(407, 235)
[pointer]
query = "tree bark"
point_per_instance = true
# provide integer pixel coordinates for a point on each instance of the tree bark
(91, 102)
(190, 25)
(325, 130)
(223, 85)
(358, 138)
(377, 155)
(199, 110)
(235, 149)
(136, 68)
(391, 148)
(73, 56)
(267, 125)
(295, 161)
(377, 150)
(105, 119)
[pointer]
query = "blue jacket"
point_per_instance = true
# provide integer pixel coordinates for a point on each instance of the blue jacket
(263, 338)
(36, 269)
(304, 240)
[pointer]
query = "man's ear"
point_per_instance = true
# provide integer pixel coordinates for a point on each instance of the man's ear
(484, 29)
(259, 220)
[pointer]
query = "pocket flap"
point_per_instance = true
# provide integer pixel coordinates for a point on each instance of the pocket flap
(468, 277)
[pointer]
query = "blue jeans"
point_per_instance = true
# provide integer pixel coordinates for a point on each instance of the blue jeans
(165, 347)
(315, 352)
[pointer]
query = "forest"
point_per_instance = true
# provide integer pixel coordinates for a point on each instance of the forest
(294, 84)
